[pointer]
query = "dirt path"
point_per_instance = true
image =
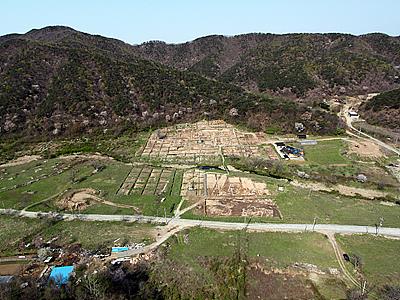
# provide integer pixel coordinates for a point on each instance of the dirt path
(344, 114)
(341, 262)
(181, 212)
(80, 196)
(43, 201)
(161, 238)
(341, 189)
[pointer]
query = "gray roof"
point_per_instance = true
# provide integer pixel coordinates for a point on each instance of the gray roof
(5, 279)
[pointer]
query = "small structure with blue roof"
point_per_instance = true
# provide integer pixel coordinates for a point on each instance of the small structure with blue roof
(119, 249)
(61, 275)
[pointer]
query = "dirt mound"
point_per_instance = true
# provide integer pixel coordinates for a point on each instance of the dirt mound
(78, 199)
(365, 148)
(278, 285)
(21, 160)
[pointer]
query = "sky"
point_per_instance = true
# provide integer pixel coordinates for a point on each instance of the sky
(176, 21)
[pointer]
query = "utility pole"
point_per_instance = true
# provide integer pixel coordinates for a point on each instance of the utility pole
(314, 223)
(377, 225)
(165, 215)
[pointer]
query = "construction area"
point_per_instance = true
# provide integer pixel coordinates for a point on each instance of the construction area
(146, 181)
(221, 195)
(205, 139)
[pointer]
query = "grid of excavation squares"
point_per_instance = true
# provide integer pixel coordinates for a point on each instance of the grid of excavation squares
(224, 195)
(146, 181)
(203, 139)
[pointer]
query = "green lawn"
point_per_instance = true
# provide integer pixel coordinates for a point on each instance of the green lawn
(277, 249)
(380, 256)
(298, 205)
(325, 152)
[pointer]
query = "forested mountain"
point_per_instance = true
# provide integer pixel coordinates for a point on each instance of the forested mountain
(57, 80)
(306, 65)
(383, 109)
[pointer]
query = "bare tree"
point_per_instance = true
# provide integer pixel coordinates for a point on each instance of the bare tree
(93, 286)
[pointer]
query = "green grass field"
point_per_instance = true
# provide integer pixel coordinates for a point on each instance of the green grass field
(205, 252)
(90, 234)
(325, 152)
(298, 205)
(380, 256)
(278, 249)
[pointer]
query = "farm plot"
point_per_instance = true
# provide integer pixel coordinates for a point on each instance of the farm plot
(204, 139)
(228, 196)
(146, 181)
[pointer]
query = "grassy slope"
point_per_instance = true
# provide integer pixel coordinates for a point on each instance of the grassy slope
(191, 250)
(379, 255)
(89, 234)
(279, 249)
(299, 205)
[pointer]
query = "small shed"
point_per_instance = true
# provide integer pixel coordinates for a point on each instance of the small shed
(353, 114)
(308, 142)
(119, 249)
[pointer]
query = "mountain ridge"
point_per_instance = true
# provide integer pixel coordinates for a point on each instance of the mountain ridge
(300, 65)
(85, 84)
(57, 80)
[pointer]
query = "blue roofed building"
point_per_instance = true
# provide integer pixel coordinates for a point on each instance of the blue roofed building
(61, 275)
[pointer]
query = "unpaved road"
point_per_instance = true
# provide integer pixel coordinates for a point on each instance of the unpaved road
(323, 228)
(345, 113)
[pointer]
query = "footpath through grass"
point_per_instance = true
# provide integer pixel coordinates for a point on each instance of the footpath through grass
(379, 255)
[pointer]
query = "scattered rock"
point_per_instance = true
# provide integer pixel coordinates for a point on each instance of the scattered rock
(233, 112)
(302, 174)
(361, 178)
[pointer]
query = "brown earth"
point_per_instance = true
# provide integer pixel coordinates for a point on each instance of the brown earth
(78, 199)
(205, 139)
(277, 285)
(365, 148)
(10, 269)
(225, 195)
(21, 160)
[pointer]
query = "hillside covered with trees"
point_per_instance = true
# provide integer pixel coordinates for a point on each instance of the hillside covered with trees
(383, 109)
(58, 81)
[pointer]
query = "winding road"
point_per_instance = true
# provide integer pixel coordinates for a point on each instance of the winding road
(345, 114)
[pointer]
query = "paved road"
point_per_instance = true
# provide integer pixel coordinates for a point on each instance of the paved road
(323, 228)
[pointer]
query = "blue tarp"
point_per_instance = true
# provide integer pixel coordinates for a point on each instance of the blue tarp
(60, 275)
(119, 249)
